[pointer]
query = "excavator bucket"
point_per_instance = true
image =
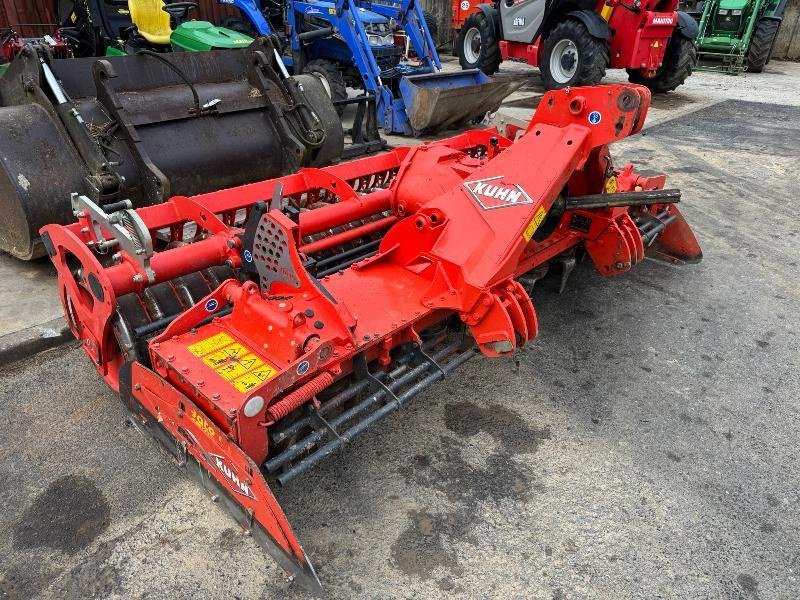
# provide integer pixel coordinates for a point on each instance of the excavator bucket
(440, 101)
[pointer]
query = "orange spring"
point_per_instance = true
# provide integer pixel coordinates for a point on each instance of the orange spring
(300, 396)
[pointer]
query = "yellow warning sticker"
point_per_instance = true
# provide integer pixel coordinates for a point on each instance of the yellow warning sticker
(233, 361)
(534, 224)
(237, 367)
(224, 356)
(215, 342)
(254, 378)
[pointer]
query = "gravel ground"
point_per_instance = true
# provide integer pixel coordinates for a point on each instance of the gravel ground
(644, 446)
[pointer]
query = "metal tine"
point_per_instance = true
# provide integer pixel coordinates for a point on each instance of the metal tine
(326, 450)
(308, 442)
(339, 399)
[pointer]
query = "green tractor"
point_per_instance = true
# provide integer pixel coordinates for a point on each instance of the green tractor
(114, 27)
(739, 34)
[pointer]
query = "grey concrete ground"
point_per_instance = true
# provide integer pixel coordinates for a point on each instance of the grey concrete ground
(644, 446)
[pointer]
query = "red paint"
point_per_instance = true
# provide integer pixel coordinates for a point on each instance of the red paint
(638, 40)
(447, 252)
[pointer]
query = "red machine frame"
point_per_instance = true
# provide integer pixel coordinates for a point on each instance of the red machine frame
(227, 379)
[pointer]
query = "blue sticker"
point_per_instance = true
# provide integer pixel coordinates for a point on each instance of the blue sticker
(302, 368)
(248, 256)
(211, 305)
(595, 117)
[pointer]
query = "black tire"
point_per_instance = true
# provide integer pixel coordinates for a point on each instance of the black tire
(680, 59)
(761, 44)
(484, 51)
(433, 26)
(332, 79)
(590, 54)
(317, 98)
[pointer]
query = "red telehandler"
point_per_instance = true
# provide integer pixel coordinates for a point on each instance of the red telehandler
(573, 42)
(256, 330)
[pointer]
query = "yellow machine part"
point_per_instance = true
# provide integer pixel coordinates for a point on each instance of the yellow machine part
(152, 22)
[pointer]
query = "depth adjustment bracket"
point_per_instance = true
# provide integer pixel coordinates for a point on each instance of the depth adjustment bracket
(128, 231)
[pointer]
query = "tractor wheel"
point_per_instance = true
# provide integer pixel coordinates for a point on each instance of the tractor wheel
(761, 44)
(317, 96)
(572, 56)
(331, 77)
(433, 26)
(478, 47)
(680, 60)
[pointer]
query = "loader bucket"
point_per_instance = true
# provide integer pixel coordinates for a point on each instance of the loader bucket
(146, 127)
(439, 101)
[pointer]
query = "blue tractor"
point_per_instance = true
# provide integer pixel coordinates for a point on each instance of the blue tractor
(354, 43)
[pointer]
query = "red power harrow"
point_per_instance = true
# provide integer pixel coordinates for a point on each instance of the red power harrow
(256, 330)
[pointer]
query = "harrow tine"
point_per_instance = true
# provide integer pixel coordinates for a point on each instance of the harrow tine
(567, 266)
(336, 443)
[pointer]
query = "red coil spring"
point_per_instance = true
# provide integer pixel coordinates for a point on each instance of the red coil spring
(300, 396)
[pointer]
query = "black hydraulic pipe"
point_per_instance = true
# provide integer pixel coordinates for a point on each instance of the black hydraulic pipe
(653, 222)
(347, 263)
(336, 443)
(317, 33)
(322, 263)
(162, 323)
(648, 237)
(644, 197)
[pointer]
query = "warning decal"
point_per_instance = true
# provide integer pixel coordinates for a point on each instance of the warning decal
(534, 224)
(233, 361)
(215, 342)
(254, 378)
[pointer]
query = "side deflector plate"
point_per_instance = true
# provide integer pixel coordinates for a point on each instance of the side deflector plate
(218, 464)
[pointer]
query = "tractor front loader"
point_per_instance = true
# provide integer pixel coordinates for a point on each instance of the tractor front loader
(254, 331)
(143, 128)
(353, 43)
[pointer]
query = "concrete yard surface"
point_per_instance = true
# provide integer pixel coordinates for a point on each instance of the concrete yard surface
(645, 445)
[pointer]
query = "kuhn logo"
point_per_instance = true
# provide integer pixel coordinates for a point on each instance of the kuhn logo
(490, 194)
(237, 485)
(662, 20)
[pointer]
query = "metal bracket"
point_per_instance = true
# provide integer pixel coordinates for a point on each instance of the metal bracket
(130, 234)
(419, 352)
(362, 372)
